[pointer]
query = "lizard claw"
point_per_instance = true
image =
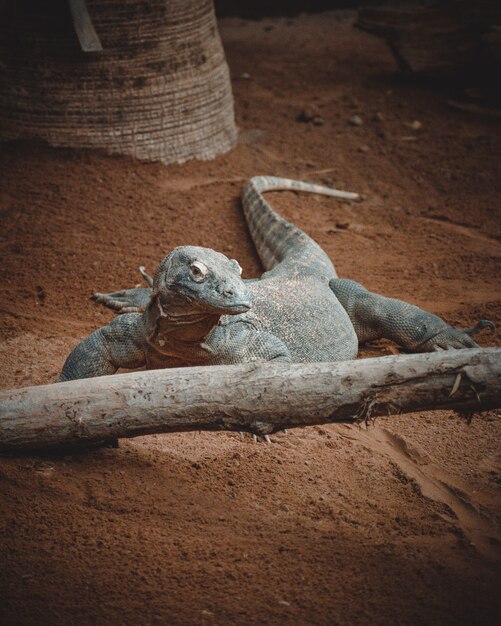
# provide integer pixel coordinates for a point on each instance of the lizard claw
(146, 276)
(256, 438)
(481, 324)
(266, 438)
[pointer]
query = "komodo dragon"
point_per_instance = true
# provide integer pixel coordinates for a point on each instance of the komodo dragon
(199, 311)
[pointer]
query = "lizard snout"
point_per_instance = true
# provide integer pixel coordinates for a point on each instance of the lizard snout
(235, 297)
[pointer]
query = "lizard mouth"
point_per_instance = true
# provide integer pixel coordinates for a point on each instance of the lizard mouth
(224, 308)
(216, 304)
(239, 307)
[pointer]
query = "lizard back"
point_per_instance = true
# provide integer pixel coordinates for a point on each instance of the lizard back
(293, 299)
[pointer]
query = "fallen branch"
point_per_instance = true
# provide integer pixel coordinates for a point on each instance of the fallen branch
(260, 398)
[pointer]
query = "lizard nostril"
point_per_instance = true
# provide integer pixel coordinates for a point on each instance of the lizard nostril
(229, 293)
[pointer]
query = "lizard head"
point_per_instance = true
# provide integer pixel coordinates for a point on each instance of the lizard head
(199, 280)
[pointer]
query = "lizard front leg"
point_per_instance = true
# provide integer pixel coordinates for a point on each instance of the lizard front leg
(119, 344)
(374, 317)
(243, 341)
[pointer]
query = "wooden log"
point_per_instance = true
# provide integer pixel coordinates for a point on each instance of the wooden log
(260, 398)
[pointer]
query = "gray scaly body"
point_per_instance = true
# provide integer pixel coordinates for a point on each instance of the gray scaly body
(198, 310)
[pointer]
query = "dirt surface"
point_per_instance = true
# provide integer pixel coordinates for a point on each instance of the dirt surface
(340, 525)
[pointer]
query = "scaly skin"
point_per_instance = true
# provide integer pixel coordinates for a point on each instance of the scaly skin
(199, 311)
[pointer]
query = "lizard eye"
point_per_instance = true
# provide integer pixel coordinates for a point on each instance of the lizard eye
(198, 271)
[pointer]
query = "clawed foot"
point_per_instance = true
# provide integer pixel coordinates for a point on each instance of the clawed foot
(264, 437)
(456, 338)
(257, 438)
(125, 301)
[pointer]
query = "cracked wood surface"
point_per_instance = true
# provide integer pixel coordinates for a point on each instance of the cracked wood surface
(261, 398)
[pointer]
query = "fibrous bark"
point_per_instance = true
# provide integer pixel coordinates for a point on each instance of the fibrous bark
(159, 89)
(261, 398)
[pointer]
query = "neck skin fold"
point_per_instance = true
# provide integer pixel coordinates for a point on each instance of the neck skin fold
(169, 330)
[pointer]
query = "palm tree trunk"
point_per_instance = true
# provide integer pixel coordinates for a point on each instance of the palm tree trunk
(159, 90)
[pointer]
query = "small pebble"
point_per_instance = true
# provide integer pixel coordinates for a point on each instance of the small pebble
(307, 116)
(356, 120)
(363, 148)
(245, 76)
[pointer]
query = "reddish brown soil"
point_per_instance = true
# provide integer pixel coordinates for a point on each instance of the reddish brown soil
(330, 525)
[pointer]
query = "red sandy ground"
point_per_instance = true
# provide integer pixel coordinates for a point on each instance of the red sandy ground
(330, 525)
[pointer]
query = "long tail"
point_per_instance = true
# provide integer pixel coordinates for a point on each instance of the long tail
(274, 237)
